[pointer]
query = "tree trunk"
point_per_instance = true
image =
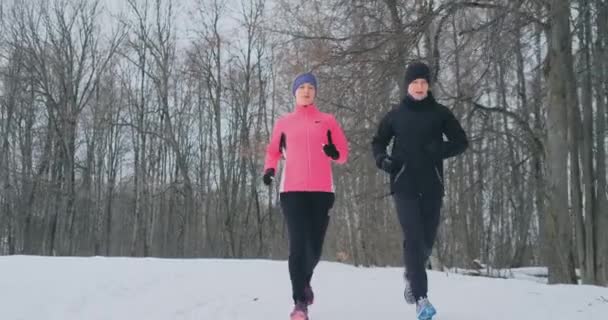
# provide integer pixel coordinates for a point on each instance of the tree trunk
(601, 94)
(588, 254)
(558, 250)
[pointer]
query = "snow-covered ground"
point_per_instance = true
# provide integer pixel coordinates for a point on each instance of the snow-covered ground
(65, 288)
(537, 274)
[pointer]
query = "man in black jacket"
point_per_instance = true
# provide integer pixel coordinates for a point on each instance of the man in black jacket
(417, 126)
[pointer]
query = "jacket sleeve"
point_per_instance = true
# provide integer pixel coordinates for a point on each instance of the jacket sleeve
(457, 139)
(382, 138)
(273, 149)
(339, 140)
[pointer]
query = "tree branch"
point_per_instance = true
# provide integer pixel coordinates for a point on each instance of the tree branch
(538, 144)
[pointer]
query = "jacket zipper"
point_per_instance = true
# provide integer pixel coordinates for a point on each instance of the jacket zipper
(308, 148)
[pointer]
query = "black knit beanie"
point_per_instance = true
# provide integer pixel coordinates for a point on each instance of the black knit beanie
(417, 70)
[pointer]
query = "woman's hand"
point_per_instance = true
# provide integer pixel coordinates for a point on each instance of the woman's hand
(330, 148)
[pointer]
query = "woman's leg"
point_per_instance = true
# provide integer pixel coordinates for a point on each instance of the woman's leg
(295, 210)
(321, 203)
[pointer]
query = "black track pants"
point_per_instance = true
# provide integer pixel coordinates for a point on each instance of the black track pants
(419, 218)
(306, 214)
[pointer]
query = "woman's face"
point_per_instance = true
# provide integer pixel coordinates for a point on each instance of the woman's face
(305, 94)
(418, 89)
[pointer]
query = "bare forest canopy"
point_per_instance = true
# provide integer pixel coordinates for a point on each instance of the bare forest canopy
(141, 131)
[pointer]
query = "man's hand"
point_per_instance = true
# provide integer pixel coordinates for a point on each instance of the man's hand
(389, 165)
(433, 150)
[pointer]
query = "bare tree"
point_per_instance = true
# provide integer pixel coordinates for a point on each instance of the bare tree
(157, 150)
(558, 251)
(601, 88)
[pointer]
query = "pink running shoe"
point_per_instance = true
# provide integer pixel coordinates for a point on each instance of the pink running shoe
(300, 312)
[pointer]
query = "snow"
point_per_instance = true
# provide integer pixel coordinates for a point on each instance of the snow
(33, 287)
(537, 274)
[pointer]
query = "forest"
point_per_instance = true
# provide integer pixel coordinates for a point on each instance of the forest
(138, 128)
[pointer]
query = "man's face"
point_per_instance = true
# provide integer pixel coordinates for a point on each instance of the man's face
(418, 89)
(305, 94)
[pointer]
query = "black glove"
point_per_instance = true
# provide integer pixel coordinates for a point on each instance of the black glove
(330, 148)
(389, 165)
(433, 150)
(268, 176)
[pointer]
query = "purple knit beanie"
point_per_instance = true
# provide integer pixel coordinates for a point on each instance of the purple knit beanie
(302, 79)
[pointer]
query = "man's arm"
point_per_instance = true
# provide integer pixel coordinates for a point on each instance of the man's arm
(381, 139)
(457, 139)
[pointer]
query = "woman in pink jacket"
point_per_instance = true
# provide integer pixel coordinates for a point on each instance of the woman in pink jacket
(308, 140)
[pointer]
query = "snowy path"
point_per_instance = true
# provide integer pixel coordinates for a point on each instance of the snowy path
(123, 288)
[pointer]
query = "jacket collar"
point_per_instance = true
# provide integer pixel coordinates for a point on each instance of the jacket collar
(306, 109)
(411, 103)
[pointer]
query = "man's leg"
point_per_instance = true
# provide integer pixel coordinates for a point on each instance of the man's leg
(431, 216)
(409, 213)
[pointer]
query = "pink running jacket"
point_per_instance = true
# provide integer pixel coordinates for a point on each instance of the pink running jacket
(299, 137)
